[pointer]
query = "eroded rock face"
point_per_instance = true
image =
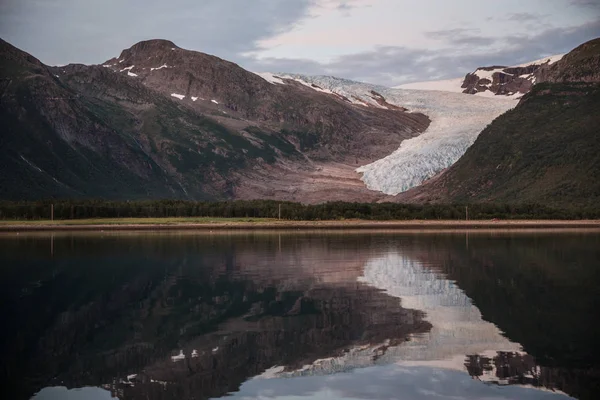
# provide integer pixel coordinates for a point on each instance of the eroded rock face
(509, 80)
(500, 80)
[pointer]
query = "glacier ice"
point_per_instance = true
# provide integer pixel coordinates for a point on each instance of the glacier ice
(456, 121)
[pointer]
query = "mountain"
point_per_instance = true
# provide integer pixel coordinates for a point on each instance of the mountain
(493, 80)
(546, 150)
(159, 121)
(457, 120)
(164, 122)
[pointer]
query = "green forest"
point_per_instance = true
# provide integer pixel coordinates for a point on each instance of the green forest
(83, 209)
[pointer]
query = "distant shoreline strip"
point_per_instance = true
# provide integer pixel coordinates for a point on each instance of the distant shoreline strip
(314, 225)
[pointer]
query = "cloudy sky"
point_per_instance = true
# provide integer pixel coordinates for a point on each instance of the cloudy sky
(380, 41)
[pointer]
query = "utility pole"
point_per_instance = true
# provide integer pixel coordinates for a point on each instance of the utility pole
(467, 213)
(279, 211)
(51, 212)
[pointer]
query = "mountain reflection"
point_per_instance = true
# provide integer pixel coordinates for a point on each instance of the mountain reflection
(102, 309)
(521, 307)
(182, 315)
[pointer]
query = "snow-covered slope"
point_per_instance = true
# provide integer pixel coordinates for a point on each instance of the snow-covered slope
(546, 60)
(446, 85)
(457, 120)
(475, 82)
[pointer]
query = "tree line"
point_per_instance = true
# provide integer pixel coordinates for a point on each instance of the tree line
(82, 209)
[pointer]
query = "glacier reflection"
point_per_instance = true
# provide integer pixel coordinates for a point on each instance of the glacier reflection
(386, 382)
(458, 327)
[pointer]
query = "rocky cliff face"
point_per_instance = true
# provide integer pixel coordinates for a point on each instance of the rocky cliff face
(580, 65)
(160, 121)
(507, 81)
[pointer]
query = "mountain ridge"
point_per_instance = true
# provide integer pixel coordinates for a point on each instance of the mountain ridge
(492, 80)
(121, 125)
(164, 122)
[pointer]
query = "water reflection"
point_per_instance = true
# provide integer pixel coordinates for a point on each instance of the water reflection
(387, 382)
(196, 316)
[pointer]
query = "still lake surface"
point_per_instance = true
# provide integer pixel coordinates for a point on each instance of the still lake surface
(300, 315)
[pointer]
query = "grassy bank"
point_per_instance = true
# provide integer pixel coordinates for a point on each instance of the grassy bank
(134, 221)
(107, 224)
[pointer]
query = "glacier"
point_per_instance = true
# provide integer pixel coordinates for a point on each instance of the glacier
(456, 121)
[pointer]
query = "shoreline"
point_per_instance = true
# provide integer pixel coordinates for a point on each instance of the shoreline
(308, 225)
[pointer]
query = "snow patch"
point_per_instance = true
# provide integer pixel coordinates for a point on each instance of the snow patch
(32, 165)
(161, 67)
(178, 357)
(129, 73)
(194, 98)
(485, 74)
(271, 373)
(311, 85)
(179, 96)
(549, 60)
(127, 68)
(269, 77)
(214, 101)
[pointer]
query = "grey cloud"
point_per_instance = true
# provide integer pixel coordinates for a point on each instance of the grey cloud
(523, 17)
(395, 65)
(93, 31)
(346, 6)
(61, 31)
(445, 33)
(461, 37)
(586, 3)
(473, 41)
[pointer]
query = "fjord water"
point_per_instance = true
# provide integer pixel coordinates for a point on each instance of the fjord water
(295, 315)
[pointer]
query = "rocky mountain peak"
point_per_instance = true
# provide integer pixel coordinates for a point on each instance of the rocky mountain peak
(581, 65)
(508, 81)
(152, 45)
(15, 62)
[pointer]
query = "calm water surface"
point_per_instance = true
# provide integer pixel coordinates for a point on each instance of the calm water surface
(495, 315)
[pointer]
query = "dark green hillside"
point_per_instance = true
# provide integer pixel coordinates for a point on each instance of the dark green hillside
(546, 150)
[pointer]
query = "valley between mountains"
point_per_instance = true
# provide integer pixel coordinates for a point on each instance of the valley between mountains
(159, 121)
